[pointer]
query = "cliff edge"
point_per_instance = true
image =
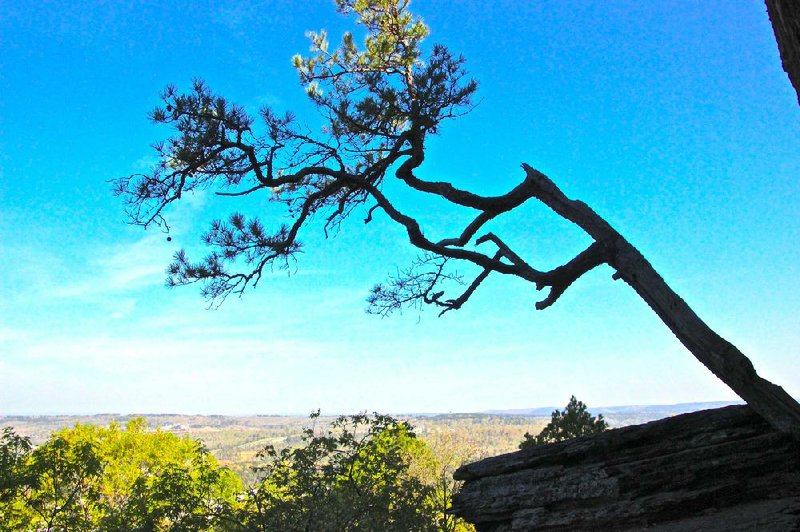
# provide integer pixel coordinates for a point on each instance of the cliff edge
(714, 470)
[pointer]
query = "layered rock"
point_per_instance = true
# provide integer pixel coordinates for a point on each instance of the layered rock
(722, 469)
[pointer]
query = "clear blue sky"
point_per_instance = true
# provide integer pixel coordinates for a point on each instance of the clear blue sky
(672, 119)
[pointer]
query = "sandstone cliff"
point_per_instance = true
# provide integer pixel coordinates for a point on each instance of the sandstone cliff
(716, 470)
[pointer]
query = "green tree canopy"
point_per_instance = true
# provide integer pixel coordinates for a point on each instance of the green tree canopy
(108, 478)
(14, 476)
(360, 473)
(354, 475)
(572, 422)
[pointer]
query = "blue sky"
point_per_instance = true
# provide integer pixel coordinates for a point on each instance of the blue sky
(672, 119)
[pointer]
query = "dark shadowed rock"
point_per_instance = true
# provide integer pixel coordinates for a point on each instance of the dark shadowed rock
(718, 470)
(785, 18)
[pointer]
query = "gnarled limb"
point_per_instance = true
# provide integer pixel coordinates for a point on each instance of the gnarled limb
(380, 104)
(721, 357)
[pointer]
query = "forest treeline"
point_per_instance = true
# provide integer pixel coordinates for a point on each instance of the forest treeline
(235, 440)
(359, 472)
(362, 472)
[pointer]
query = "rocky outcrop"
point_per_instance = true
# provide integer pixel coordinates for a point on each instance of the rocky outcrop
(714, 470)
(785, 18)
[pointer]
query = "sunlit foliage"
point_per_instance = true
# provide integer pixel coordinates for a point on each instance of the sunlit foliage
(98, 478)
(360, 473)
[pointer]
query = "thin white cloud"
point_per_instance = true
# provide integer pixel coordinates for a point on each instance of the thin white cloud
(8, 334)
(125, 353)
(118, 268)
(155, 373)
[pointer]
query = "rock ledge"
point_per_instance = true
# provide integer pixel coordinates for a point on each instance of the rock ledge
(714, 470)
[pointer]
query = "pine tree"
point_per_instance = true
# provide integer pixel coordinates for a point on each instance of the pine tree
(572, 422)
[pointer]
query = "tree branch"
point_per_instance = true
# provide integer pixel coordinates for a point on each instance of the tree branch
(380, 104)
(562, 277)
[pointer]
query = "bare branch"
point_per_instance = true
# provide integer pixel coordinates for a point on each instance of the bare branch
(412, 286)
(469, 231)
(562, 277)
(243, 192)
(371, 210)
(457, 303)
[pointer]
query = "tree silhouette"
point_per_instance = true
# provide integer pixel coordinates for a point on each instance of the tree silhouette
(572, 422)
(785, 18)
(380, 103)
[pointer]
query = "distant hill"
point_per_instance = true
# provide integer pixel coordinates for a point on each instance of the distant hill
(235, 439)
(618, 416)
(288, 428)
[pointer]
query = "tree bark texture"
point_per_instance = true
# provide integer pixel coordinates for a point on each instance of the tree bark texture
(785, 18)
(715, 470)
(721, 357)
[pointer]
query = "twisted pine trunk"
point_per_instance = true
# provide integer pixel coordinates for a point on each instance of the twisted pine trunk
(724, 360)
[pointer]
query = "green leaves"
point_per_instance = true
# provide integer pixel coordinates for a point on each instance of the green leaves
(14, 476)
(378, 100)
(363, 472)
(353, 476)
(384, 88)
(96, 478)
(572, 422)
